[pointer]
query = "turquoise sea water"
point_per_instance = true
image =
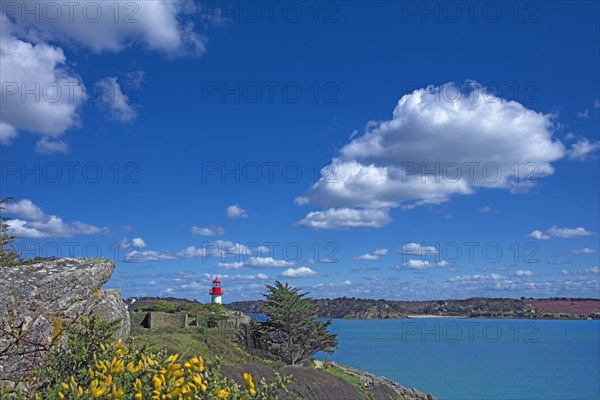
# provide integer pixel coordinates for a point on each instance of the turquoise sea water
(478, 359)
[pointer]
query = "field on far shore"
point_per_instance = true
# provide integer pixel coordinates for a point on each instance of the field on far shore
(566, 306)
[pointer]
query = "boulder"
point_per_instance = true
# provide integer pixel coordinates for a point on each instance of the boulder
(35, 299)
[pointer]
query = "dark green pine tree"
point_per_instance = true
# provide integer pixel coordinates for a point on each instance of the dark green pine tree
(292, 331)
(8, 255)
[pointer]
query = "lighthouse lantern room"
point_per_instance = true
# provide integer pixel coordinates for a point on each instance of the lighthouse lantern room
(216, 292)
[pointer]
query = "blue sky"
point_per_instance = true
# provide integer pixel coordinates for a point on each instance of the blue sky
(401, 150)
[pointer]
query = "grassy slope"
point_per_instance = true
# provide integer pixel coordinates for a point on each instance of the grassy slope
(192, 342)
(213, 343)
(210, 343)
(351, 379)
(219, 343)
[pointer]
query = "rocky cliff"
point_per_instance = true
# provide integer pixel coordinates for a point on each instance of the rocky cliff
(35, 299)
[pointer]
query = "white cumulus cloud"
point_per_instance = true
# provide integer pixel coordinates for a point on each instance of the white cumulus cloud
(538, 235)
(25, 208)
(366, 257)
(160, 25)
(235, 211)
(415, 264)
(192, 252)
(38, 224)
(136, 256)
(39, 92)
(112, 99)
(372, 257)
(262, 250)
(524, 272)
(586, 271)
(346, 218)
(435, 146)
(231, 265)
(417, 249)
(217, 248)
(301, 272)
(7, 133)
(268, 262)
(477, 278)
(136, 243)
(582, 149)
(556, 232)
(212, 231)
(585, 250)
(47, 146)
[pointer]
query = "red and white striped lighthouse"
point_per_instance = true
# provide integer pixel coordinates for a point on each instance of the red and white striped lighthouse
(216, 292)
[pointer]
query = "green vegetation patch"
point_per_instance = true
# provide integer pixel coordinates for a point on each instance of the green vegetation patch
(351, 379)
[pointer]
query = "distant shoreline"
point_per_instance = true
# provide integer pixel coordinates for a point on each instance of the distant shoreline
(419, 316)
(476, 307)
(473, 308)
(425, 316)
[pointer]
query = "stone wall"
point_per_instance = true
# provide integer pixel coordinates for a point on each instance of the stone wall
(165, 320)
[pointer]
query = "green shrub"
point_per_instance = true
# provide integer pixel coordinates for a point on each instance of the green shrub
(83, 340)
(8, 255)
(163, 306)
(88, 369)
(216, 308)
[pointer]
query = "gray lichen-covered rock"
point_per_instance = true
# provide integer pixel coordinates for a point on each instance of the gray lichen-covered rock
(35, 299)
(109, 306)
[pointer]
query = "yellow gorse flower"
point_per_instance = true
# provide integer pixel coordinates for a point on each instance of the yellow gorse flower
(118, 373)
(174, 367)
(157, 382)
(197, 379)
(98, 391)
(250, 383)
(134, 369)
(172, 358)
